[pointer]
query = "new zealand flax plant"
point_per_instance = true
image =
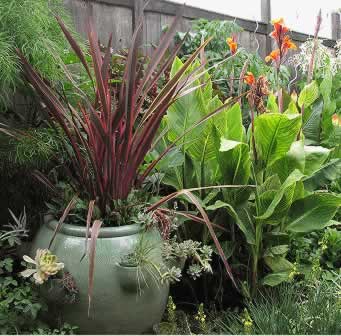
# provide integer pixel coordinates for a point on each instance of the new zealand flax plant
(109, 135)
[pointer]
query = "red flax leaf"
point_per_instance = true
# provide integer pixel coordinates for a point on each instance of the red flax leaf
(88, 221)
(92, 253)
(69, 207)
(106, 61)
(97, 65)
(158, 54)
(75, 46)
(192, 197)
(213, 235)
(44, 180)
(53, 103)
(192, 217)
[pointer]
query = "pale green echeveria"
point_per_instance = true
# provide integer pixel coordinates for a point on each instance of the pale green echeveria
(45, 264)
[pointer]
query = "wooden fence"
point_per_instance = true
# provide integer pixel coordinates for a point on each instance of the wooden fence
(120, 17)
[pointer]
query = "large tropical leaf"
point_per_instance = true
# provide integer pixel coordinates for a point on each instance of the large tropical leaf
(283, 197)
(312, 212)
(308, 95)
(293, 159)
(315, 157)
(232, 126)
(186, 111)
(274, 279)
(326, 174)
(234, 162)
(312, 123)
(274, 134)
(245, 226)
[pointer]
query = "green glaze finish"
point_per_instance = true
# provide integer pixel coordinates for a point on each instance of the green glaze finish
(121, 304)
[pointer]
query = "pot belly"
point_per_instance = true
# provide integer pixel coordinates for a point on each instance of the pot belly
(113, 310)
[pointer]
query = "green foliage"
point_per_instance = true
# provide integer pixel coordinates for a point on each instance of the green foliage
(203, 29)
(9, 68)
(11, 236)
(177, 322)
(308, 95)
(19, 305)
(37, 35)
(64, 329)
(321, 247)
(274, 134)
(286, 173)
(35, 149)
(321, 100)
(123, 212)
(217, 50)
(289, 310)
(200, 161)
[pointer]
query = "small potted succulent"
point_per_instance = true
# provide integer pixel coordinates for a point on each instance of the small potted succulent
(107, 136)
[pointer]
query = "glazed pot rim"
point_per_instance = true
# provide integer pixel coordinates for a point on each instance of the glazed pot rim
(80, 231)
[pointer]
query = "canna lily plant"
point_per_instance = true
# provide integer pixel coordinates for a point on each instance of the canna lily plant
(281, 174)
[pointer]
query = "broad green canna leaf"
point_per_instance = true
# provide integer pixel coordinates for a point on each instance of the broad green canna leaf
(272, 106)
(278, 264)
(234, 161)
(294, 159)
(327, 173)
(312, 123)
(283, 197)
(185, 111)
(315, 157)
(308, 95)
(245, 226)
(274, 279)
(313, 212)
(274, 134)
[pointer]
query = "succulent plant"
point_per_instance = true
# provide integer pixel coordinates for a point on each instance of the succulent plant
(46, 265)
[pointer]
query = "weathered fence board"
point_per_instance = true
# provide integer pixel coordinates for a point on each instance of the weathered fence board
(120, 16)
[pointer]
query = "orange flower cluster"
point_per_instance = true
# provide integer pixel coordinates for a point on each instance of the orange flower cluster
(336, 120)
(283, 41)
(232, 43)
(249, 78)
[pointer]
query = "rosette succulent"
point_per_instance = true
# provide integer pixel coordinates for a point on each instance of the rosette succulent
(46, 264)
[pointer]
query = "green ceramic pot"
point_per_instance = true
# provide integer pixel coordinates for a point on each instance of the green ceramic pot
(121, 303)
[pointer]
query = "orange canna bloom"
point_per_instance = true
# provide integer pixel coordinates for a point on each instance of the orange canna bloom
(336, 120)
(274, 56)
(279, 26)
(288, 44)
(279, 29)
(232, 43)
(249, 78)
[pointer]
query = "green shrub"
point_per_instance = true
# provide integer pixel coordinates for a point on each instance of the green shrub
(30, 26)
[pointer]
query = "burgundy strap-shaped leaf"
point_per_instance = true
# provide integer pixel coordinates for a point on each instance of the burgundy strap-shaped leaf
(67, 210)
(88, 221)
(92, 253)
(194, 200)
(75, 46)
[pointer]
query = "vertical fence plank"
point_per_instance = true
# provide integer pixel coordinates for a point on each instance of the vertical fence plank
(266, 18)
(137, 12)
(336, 26)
